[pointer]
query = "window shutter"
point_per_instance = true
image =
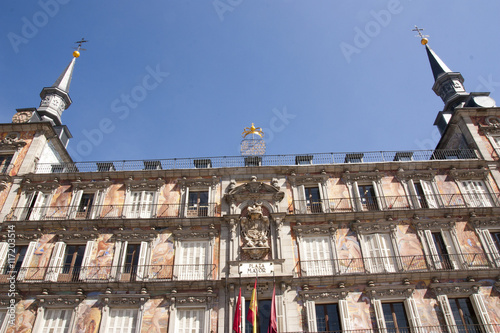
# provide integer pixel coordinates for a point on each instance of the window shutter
(280, 313)
(40, 206)
(116, 260)
(435, 259)
(311, 316)
(56, 261)
(379, 314)
(134, 204)
(142, 266)
(482, 312)
(429, 193)
(386, 250)
(448, 314)
(122, 321)
(75, 202)
(379, 196)
(357, 205)
(302, 199)
(56, 320)
(123, 257)
(211, 204)
(190, 320)
(475, 193)
(27, 260)
(491, 249)
(324, 201)
(146, 203)
(318, 256)
(193, 260)
(97, 205)
(86, 260)
(412, 313)
(344, 315)
(410, 190)
(185, 202)
(4, 249)
(455, 258)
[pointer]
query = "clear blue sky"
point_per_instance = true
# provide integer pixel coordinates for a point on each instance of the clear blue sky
(279, 64)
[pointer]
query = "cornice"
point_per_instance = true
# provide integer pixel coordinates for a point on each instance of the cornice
(254, 190)
(60, 300)
(307, 179)
(144, 184)
(91, 184)
(486, 223)
(405, 175)
(390, 292)
(180, 234)
(469, 174)
(349, 177)
(48, 186)
(367, 228)
(435, 224)
(323, 295)
(455, 288)
(302, 230)
(124, 300)
(198, 183)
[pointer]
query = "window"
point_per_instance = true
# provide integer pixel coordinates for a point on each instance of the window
(396, 316)
(423, 194)
(354, 158)
(72, 263)
(16, 260)
(313, 200)
(463, 313)
(491, 244)
(475, 193)
(198, 203)
(316, 256)
(310, 199)
(131, 258)
(192, 260)
(5, 161)
(378, 253)
(303, 159)
(190, 320)
(122, 320)
(441, 249)
(23, 259)
(56, 262)
(366, 196)
(36, 206)
(328, 318)
(253, 161)
(202, 164)
(152, 165)
(140, 204)
(56, 320)
(466, 315)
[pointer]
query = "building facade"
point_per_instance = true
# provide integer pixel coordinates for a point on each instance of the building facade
(390, 242)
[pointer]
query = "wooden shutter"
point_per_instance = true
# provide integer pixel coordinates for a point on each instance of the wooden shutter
(116, 260)
(379, 253)
(280, 313)
(475, 193)
(56, 261)
(455, 258)
(345, 320)
(302, 204)
(190, 320)
(448, 314)
(482, 313)
(4, 249)
(433, 252)
(134, 204)
(311, 316)
(142, 264)
(379, 197)
(387, 253)
(86, 260)
(429, 193)
(56, 320)
(75, 202)
(123, 258)
(324, 202)
(356, 205)
(40, 206)
(146, 204)
(379, 314)
(317, 256)
(95, 210)
(413, 316)
(122, 321)
(491, 248)
(26, 261)
(193, 260)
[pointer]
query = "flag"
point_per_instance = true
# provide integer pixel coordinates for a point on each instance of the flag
(237, 315)
(252, 309)
(273, 324)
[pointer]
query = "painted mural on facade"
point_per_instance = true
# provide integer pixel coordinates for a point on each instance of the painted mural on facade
(88, 317)
(169, 200)
(101, 258)
(26, 137)
(162, 257)
(60, 203)
(113, 201)
(155, 316)
(409, 247)
(338, 194)
(40, 258)
(348, 250)
(25, 317)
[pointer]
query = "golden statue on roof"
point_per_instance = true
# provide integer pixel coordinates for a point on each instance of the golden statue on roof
(252, 130)
(253, 143)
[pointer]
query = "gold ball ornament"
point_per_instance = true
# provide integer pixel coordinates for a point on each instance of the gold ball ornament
(424, 41)
(76, 54)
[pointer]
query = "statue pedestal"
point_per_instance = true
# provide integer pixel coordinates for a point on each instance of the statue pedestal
(256, 252)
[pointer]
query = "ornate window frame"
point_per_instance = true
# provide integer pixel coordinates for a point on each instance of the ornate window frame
(300, 182)
(56, 302)
(32, 191)
(185, 301)
(198, 185)
(11, 144)
(373, 178)
(98, 188)
(124, 301)
(480, 174)
(426, 178)
(483, 228)
(145, 185)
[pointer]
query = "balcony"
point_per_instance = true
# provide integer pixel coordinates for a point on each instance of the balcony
(122, 274)
(393, 264)
(469, 328)
(266, 160)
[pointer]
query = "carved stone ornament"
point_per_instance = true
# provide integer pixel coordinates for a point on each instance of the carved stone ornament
(349, 177)
(28, 186)
(435, 224)
(455, 288)
(12, 141)
(367, 228)
(188, 234)
(390, 292)
(316, 229)
(405, 175)
(4, 182)
(22, 117)
(60, 300)
(144, 184)
(329, 295)
(307, 179)
(255, 232)
(256, 191)
(469, 174)
(188, 300)
(125, 300)
(198, 183)
(486, 223)
(91, 184)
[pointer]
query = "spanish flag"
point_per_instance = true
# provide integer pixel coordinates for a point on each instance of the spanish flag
(252, 309)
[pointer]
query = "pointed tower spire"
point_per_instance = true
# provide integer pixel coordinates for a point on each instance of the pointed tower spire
(55, 99)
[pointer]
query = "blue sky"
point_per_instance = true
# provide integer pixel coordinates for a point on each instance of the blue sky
(319, 76)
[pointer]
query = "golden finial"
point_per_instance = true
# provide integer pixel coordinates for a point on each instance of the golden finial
(252, 130)
(76, 53)
(424, 40)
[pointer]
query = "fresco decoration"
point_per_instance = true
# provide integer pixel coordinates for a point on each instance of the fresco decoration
(101, 258)
(393, 192)
(410, 248)
(162, 257)
(41, 258)
(348, 251)
(60, 202)
(360, 311)
(88, 317)
(28, 138)
(25, 317)
(4, 194)
(428, 308)
(491, 299)
(113, 201)
(155, 316)
(169, 200)
(338, 194)
(469, 242)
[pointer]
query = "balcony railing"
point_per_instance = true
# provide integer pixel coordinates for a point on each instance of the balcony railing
(393, 264)
(99, 274)
(266, 160)
(119, 211)
(469, 328)
(400, 202)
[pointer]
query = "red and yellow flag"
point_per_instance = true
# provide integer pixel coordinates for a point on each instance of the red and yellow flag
(252, 309)
(237, 315)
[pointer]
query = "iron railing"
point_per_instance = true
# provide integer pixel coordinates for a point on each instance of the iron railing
(393, 264)
(265, 160)
(469, 328)
(99, 274)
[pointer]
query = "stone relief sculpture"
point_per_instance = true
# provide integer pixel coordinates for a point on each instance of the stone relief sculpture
(255, 232)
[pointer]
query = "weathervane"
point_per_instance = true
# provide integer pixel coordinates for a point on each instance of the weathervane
(76, 53)
(424, 39)
(255, 144)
